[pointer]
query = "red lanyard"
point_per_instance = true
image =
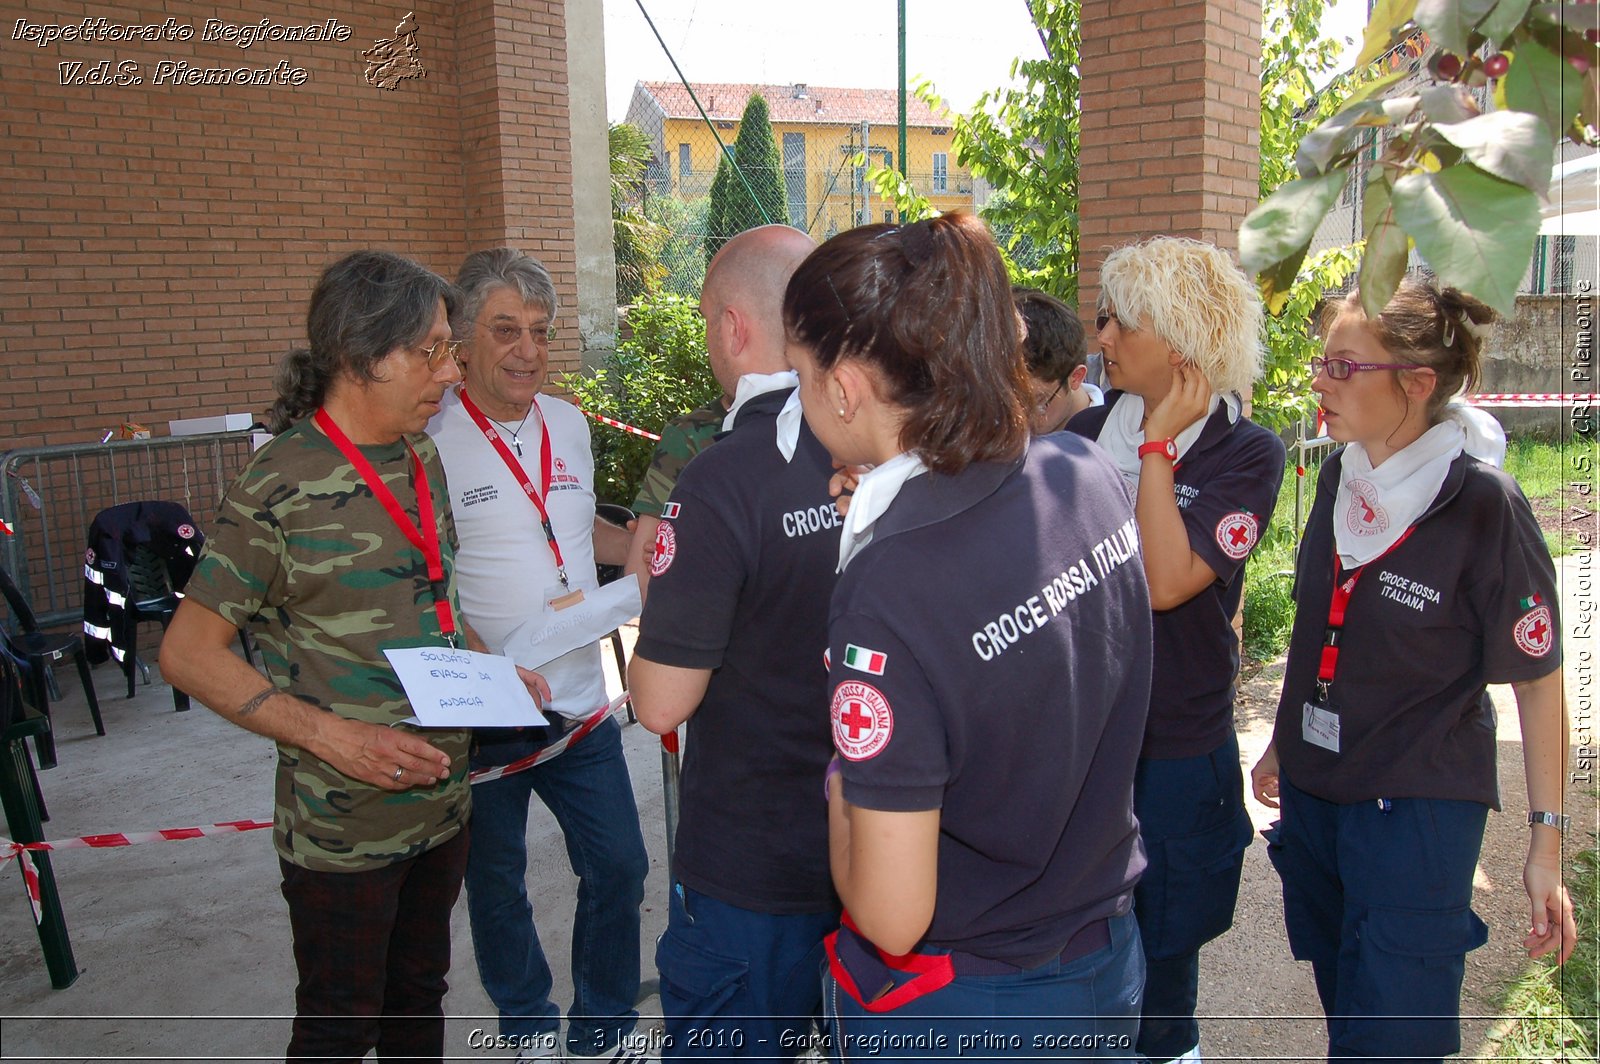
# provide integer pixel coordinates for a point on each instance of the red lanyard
(1343, 588)
(425, 539)
(537, 497)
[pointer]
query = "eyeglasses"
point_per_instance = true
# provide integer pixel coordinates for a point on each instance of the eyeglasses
(440, 350)
(507, 334)
(1105, 318)
(1339, 369)
(1041, 405)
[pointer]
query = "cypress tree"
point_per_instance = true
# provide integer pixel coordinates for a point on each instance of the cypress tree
(755, 152)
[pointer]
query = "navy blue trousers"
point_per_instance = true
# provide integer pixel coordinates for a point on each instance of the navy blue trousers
(739, 983)
(1377, 896)
(1195, 830)
(1088, 1007)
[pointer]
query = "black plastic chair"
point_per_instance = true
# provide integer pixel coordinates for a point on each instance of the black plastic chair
(619, 516)
(25, 814)
(36, 651)
(150, 598)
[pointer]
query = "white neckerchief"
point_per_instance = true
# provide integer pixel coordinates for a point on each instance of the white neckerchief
(1486, 439)
(1373, 507)
(753, 384)
(1121, 434)
(1096, 396)
(875, 490)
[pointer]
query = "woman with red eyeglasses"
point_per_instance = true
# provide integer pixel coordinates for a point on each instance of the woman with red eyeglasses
(1423, 576)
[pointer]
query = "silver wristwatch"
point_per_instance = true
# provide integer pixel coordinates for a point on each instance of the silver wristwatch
(1559, 821)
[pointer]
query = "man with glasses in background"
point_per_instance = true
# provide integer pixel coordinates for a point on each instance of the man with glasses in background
(1057, 357)
(521, 480)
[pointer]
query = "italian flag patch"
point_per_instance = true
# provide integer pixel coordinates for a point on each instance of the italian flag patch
(1531, 601)
(863, 660)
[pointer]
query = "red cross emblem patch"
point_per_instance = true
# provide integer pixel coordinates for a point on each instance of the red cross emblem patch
(665, 550)
(1535, 633)
(186, 531)
(862, 721)
(1366, 516)
(560, 464)
(1237, 534)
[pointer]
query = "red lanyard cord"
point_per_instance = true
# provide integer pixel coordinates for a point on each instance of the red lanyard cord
(1343, 587)
(425, 539)
(512, 463)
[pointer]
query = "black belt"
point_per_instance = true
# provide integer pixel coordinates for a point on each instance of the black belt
(1095, 935)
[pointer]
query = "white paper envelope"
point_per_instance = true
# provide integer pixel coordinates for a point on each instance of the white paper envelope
(463, 689)
(551, 634)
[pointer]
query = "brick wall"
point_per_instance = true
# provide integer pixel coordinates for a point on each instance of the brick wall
(158, 242)
(1171, 124)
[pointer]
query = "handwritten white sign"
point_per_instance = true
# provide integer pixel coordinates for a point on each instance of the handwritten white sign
(554, 632)
(463, 689)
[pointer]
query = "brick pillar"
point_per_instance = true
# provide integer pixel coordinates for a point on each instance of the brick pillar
(1171, 124)
(515, 142)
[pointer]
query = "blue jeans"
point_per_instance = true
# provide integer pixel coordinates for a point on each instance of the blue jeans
(1088, 1007)
(1196, 831)
(1377, 895)
(738, 983)
(588, 790)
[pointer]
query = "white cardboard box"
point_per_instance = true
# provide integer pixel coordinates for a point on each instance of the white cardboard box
(194, 426)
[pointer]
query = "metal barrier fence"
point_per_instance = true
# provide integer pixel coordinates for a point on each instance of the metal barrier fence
(50, 495)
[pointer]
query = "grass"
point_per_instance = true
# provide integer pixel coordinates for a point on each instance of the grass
(1269, 576)
(1550, 1012)
(1553, 475)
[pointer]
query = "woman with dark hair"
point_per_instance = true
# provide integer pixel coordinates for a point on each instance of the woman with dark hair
(334, 545)
(1423, 577)
(981, 828)
(1180, 324)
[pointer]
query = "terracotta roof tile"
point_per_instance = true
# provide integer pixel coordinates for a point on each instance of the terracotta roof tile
(791, 103)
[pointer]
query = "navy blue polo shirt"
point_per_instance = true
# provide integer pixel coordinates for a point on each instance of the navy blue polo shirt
(1226, 487)
(990, 658)
(1468, 599)
(743, 570)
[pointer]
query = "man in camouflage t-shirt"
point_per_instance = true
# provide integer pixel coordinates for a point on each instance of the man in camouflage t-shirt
(305, 557)
(682, 439)
(334, 544)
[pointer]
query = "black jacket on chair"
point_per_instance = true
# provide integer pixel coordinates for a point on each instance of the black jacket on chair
(170, 533)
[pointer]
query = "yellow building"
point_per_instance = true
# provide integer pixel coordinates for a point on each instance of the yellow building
(820, 131)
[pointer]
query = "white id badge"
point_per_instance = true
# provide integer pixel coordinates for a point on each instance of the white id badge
(1319, 726)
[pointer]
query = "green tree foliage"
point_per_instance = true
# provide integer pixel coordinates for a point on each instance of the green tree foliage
(653, 376)
(1024, 142)
(1458, 183)
(1293, 54)
(749, 191)
(636, 239)
(685, 223)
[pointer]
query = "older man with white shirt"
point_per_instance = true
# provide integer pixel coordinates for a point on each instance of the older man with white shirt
(522, 488)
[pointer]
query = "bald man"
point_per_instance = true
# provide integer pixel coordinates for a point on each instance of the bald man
(731, 641)
(741, 301)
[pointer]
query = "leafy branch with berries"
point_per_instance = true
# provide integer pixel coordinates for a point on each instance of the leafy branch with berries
(1460, 183)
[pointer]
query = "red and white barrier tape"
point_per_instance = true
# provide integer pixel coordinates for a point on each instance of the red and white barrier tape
(30, 874)
(1531, 398)
(623, 425)
(113, 840)
(555, 749)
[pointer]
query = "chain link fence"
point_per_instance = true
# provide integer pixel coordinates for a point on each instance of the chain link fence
(725, 156)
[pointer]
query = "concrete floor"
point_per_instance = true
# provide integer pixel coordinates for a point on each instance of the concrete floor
(184, 946)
